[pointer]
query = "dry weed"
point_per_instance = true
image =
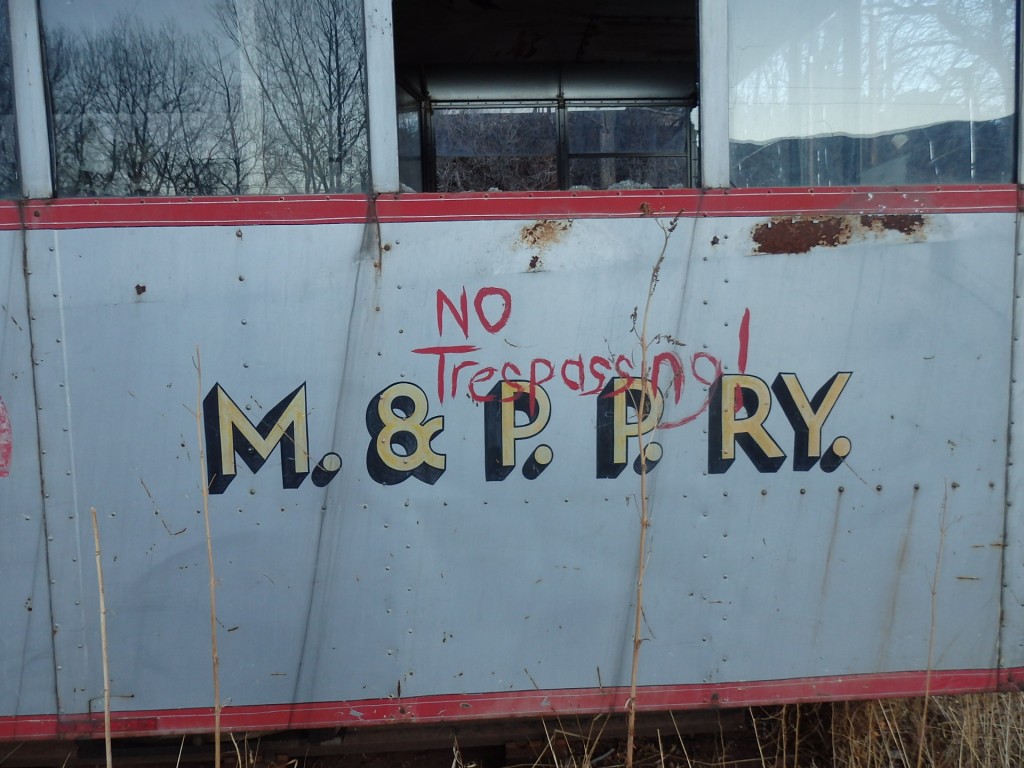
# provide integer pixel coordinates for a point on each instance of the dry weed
(971, 731)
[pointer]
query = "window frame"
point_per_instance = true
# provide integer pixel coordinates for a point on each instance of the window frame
(34, 155)
(564, 153)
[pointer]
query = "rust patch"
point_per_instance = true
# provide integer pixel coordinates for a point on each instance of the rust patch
(543, 233)
(540, 237)
(798, 234)
(909, 224)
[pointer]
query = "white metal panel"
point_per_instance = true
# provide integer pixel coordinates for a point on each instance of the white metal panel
(1012, 638)
(356, 588)
(26, 648)
(120, 316)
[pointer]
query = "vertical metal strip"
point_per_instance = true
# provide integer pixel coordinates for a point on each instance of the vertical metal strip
(714, 93)
(1011, 639)
(380, 98)
(30, 99)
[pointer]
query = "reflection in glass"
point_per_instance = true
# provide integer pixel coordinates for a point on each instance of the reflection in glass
(628, 172)
(8, 148)
(872, 92)
(207, 97)
(627, 129)
(616, 147)
(410, 143)
(496, 148)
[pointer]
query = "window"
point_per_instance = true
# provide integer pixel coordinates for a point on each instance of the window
(871, 92)
(8, 148)
(517, 95)
(206, 97)
(641, 145)
(493, 147)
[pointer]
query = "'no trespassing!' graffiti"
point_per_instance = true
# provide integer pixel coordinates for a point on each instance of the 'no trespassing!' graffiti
(403, 425)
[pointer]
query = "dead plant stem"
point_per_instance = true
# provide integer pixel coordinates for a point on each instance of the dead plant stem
(923, 724)
(103, 641)
(205, 489)
(796, 739)
(645, 516)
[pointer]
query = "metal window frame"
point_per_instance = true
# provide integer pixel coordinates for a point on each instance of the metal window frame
(31, 117)
(563, 153)
(35, 153)
(713, 92)
(381, 96)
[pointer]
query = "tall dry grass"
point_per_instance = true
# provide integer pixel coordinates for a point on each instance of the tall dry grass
(973, 731)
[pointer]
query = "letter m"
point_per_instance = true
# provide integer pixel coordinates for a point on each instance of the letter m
(229, 433)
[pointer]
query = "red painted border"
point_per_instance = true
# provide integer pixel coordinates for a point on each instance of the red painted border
(489, 706)
(698, 202)
(79, 213)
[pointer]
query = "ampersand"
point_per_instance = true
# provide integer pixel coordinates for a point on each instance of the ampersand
(400, 432)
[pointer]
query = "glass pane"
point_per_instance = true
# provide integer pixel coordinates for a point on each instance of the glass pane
(871, 92)
(207, 97)
(627, 129)
(496, 149)
(629, 173)
(410, 136)
(8, 148)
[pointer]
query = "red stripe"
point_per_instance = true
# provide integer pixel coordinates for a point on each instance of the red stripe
(533, 703)
(9, 216)
(697, 202)
(75, 213)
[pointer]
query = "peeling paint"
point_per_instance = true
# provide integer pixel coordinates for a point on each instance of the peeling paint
(540, 237)
(798, 234)
(6, 440)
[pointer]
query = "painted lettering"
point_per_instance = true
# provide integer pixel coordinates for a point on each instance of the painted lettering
(535, 381)
(574, 384)
(501, 432)
(482, 376)
(401, 435)
(726, 430)
(678, 374)
(614, 428)
(716, 372)
(460, 313)
(229, 433)
(506, 308)
(807, 417)
(596, 362)
(442, 355)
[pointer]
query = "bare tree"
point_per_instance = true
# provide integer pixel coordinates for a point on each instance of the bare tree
(307, 57)
(132, 111)
(273, 104)
(953, 61)
(238, 145)
(509, 149)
